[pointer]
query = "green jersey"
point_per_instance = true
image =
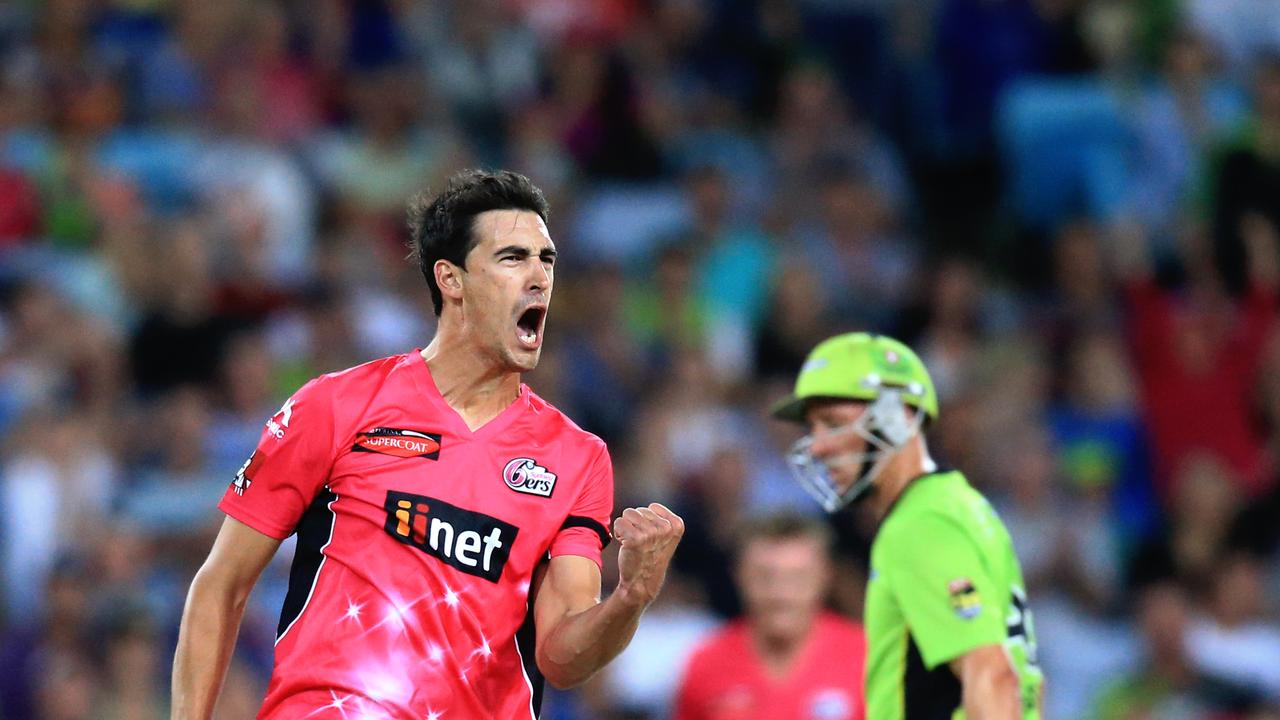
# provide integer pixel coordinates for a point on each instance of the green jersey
(944, 580)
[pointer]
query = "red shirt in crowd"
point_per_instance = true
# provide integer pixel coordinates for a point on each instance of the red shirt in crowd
(417, 541)
(1198, 375)
(726, 680)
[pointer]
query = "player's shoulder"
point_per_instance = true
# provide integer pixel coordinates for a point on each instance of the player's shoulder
(553, 421)
(940, 508)
(344, 392)
(367, 375)
(839, 629)
(942, 493)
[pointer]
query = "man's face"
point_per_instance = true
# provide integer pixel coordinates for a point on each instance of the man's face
(830, 424)
(506, 288)
(783, 583)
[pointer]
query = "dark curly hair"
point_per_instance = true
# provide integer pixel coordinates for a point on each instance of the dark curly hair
(440, 228)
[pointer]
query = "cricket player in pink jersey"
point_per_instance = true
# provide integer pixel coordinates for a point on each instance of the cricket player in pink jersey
(450, 522)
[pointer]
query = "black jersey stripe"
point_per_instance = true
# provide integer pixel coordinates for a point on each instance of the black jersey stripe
(526, 639)
(315, 532)
(928, 694)
(585, 522)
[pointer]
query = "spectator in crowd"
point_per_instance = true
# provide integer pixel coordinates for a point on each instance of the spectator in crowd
(1167, 683)
(1197, 354)
(786, 657)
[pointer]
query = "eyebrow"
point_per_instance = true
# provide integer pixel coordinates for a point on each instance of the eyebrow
(524, 252)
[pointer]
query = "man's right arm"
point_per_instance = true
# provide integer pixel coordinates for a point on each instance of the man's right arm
(211, 618)
(990, 687)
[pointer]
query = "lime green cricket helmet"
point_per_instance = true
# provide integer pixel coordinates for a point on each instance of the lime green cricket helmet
(871, 368)
(858, 366)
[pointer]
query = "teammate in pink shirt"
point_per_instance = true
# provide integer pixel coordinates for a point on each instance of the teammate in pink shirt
(450, 522)
(786, 658)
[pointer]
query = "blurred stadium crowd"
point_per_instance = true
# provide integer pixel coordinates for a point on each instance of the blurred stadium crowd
(1070, 207)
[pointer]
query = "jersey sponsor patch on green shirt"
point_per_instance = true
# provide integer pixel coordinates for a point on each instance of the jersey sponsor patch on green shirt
(944, 581)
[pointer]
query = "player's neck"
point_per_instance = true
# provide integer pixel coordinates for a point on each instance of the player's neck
(778, 654)
(910, 463)
(476, 389)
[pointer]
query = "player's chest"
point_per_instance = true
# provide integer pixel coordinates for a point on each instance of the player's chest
(882, 614)
(459, 495)
(515, 468)
(817, 699)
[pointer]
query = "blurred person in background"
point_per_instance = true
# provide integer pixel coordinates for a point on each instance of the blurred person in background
(244, 397)
(858, 250)
(1166, 684)
(1197, 352)
(1099, 435)
(943, 570)
(1181, 116)
(68, 689)
(175, 480)
(715, 501)
(1197, 530)
(1233, 640)
(58, 468)
(786, 657)
(606, 364)
(181, 336)
(1244, 183)
(432, 623)
(47, 655)
(128, 654)
(800, 315)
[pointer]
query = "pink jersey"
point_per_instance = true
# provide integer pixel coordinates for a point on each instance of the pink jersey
(726, 680)
(417, 541)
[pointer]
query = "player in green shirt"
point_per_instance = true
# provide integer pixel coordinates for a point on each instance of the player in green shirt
(948, 631)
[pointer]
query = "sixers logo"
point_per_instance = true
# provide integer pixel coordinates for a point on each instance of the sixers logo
(525, 475)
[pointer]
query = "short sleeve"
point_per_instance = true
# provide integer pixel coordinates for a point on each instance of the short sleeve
(585, 531)
(945, 591)
(290, 465)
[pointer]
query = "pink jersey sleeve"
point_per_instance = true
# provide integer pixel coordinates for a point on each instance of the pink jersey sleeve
(290, 465)
(586, 531)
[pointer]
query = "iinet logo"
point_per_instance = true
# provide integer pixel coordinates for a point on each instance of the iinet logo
(471, 542)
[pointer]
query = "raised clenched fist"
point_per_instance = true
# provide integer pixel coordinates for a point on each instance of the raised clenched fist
(648, 537)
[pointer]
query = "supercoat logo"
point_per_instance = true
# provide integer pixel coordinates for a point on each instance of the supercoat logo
(470, 542)
(400, 443)
(527, 476)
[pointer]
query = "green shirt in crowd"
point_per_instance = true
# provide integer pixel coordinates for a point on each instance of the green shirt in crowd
(944, 580)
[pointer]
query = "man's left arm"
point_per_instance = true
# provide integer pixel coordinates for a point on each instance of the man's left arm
(577, 634)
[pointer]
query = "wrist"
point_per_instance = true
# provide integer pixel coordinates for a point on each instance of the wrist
(631, 597)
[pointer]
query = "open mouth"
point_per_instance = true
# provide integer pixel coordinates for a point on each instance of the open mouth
(529, 326)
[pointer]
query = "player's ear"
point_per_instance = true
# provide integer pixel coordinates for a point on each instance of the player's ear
(449, 279)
